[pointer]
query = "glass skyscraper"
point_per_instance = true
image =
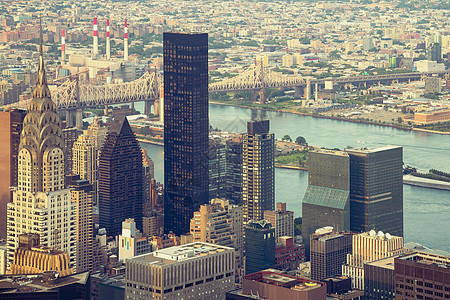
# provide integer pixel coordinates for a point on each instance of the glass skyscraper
(186, 128)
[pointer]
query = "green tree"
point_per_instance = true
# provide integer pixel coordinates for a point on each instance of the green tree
(298, 226)
(286, 138)
(301, 140)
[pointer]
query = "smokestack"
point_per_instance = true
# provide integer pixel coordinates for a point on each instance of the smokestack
(125, 42)
(108, 45)
(95, 52)
(63, 46)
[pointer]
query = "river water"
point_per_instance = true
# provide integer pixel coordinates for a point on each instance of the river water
(426, 211)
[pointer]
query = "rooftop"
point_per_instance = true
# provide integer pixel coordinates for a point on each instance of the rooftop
(283, 280)
(11, 284)
(387, 263)
(373, 150)
(180, 253)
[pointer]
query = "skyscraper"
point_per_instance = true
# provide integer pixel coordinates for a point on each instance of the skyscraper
(85, 162)
(234, 169)
(120, 178)
(259, 246)
(82, 194)
(10, 129)
(186, 128)
(217, 169)
(258, 191)
(376, 189)
(69, 136)
(40, 194)
(326, 201)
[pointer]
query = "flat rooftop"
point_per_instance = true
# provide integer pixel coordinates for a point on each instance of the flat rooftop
(283, 280)
(387, 263)
(373, 150)
(332, 152)
(180, 253)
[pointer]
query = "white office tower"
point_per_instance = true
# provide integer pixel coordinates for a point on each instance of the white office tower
(41, 203)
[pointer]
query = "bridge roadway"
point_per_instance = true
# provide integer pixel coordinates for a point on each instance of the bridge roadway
(73, 96)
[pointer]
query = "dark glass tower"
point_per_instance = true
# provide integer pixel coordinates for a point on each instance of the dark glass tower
(120, 178)
(186, 128)
(376, 189)
(327, 198)
(259, 246)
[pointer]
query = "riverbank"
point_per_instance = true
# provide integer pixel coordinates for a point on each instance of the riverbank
(426, 183)
(153, 142)
(336, 118)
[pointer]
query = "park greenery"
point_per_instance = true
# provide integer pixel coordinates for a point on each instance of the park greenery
(433, 174)
(296, 158)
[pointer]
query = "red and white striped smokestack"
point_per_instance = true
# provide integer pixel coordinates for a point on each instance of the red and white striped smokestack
(95, 36)
(63, 46)
(108, 45)
(125, 42)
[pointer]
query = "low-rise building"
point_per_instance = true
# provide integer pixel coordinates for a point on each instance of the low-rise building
(288, 255)
(192, 271)
(434, 116)
(270, 284)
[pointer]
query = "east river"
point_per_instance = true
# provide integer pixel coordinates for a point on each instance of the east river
(426, 211)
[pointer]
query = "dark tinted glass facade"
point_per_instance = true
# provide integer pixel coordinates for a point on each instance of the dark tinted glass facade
(120, 179)
(376, 190)
(326, 201)
(186, 128)
(234, 170)
(259, 246)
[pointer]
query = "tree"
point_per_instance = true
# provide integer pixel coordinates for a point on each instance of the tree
(298, 226)
(286, 138)
(301, 140)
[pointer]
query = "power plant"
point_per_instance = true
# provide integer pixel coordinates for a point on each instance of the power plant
(95, 65)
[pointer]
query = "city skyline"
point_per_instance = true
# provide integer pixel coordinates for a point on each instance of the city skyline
(150, 169)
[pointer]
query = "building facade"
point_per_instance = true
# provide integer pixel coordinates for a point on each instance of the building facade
(120, 178)
(329, 251)
(186, 128)
(367, 247)
(192, 271)
(288, 255)
(69, 136)
(82, 193)
(326, 201)
(277, 285)
(85, 161)
(10, 129)
(131, 241)
(40, 194)
(422, 275)
(259, 246)
(234, 169)
(281, 219)
(379, 279)
(217, 169)
(258, 187)
(376, 189)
